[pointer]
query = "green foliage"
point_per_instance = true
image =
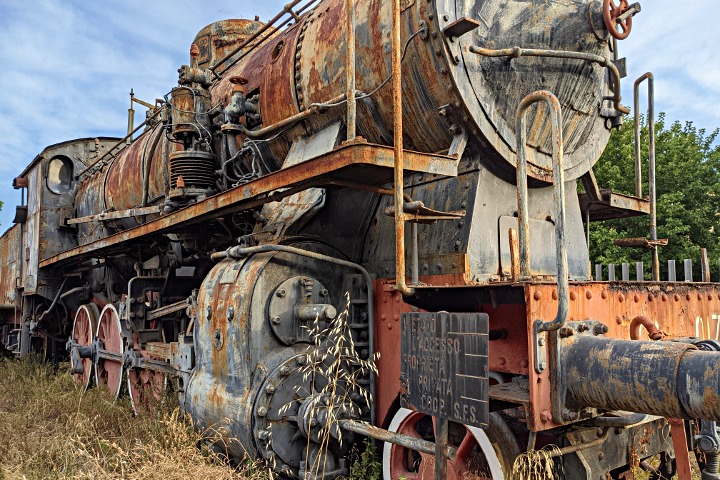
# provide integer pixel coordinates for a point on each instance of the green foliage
(688, 193)
(366, 466)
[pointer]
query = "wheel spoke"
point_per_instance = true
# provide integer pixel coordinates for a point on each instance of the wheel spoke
(109, 332)
(477, 456)
(466, 446)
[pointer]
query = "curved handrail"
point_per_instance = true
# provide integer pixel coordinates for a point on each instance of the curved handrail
(559, 193)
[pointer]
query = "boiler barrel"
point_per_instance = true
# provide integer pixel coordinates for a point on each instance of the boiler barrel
(674, 380)
(445, 87)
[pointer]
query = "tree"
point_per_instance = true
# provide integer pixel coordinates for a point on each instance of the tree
(688, 194)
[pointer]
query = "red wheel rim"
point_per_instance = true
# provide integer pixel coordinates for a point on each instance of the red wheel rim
(108, 373)
(475, 460)
(83, 331)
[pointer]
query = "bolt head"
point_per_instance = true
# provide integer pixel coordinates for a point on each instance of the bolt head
(270, 389)
(262, 411)
(541, 341)
(275, 320)
(284, 370)
(281, 293)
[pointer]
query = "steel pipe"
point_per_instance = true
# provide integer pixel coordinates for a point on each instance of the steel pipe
(289, 121)
(383, 435)
(350, 70)
(398, 176)
(651, 160)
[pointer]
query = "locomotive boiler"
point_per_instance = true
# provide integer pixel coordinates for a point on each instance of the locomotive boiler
(237, 250)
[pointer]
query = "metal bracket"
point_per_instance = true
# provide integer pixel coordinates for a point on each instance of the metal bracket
(540, 341)
(417, 212)
(460, 27)
(707, 440)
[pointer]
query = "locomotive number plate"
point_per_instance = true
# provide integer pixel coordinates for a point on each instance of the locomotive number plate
(444, 365)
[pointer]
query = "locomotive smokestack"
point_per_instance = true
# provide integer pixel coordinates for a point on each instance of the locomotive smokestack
(670, 379)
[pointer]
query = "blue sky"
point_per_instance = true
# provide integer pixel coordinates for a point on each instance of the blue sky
(68, 66)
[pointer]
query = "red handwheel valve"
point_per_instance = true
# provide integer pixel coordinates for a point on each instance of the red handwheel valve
(617, 21)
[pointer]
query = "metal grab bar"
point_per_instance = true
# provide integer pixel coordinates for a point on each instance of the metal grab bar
(398, 179)
(350, 70)
(651, 161)
(559, 194)
(515, 52)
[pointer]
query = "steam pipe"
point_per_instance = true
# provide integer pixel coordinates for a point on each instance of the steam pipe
(398, 179)
(350, 69)
(289, 121)
(54, 302)
(642, 321)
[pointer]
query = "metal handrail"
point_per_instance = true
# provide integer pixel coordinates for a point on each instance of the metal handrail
(559, 193)
(398, 179)
(651, 160)
(350, 70)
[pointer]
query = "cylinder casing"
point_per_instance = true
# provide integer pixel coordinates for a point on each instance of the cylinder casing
(670, 379)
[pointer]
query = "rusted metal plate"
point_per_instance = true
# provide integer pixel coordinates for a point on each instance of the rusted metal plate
(614, 205)
(679, 309)
(31, 230)
(444, 365)
(357, 162)
(9, 254)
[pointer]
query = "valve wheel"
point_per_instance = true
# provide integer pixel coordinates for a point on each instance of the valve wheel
(611, 13)
(83, 331)
(108, 373)
(481, 454)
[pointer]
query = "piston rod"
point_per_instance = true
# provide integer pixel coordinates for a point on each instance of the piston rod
(413, 443)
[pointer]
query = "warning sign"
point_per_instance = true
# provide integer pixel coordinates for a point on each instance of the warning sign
(444, 365)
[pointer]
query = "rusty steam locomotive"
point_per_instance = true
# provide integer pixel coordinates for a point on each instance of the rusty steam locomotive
(258, 204)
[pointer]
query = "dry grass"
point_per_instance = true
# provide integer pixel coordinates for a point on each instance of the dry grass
(50, 429)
